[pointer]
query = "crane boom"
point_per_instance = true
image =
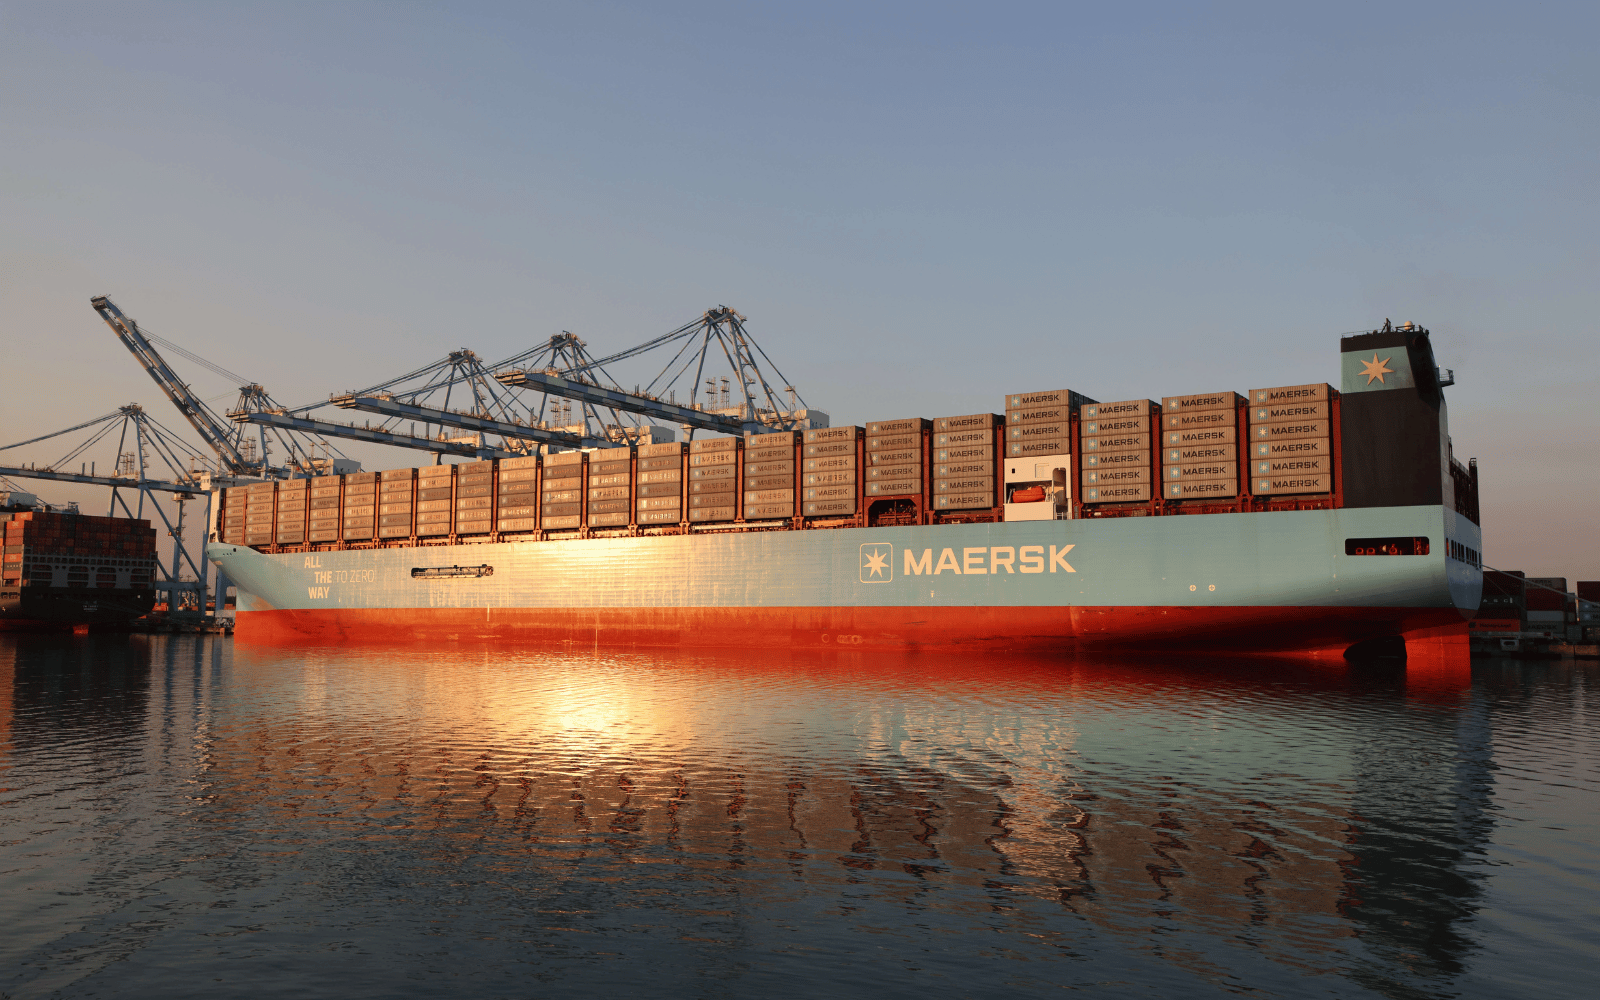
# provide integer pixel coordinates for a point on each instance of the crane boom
(555, 385)
(469, 421)
(116, 482)
(327, 429)
(206, 423)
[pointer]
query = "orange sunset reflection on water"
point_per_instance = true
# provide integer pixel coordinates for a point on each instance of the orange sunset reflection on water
(849, 819)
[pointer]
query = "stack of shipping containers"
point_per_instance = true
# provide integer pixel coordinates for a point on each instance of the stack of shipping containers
(258, 513)
(1039, 424)
(230, 518)
(610, 499)
(714, 479)
(1200, 446)
(1589, 609)
(894, 458)
(435, 500)
(323, 525)
(396, 502)
(360, 506)
(293, 496)
(1546, 602)
(518, 498)
(47, 549)
(965, 465)
(1291, 448)
(1039, 442)
(475, 498)
(770, 475)
(561, 496)
(660, 484)
(1116, 440)
(831, 471)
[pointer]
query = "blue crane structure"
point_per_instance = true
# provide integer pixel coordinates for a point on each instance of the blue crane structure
(148, 459)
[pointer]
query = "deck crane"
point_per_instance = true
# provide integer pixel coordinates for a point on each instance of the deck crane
(754, 406)
(236, 454)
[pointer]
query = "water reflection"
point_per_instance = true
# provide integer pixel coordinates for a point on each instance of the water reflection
(740, 823)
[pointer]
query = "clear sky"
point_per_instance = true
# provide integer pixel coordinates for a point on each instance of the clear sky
(919, 207)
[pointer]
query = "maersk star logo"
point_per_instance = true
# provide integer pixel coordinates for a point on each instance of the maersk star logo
(877, 562)
(1375, 369)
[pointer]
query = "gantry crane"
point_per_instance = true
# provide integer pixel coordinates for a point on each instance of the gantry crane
(236, 454)
(754, 407)
(148, 459)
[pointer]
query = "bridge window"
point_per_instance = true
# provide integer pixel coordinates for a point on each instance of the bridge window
(1386, 546)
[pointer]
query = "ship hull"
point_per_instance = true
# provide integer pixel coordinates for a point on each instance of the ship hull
(1274, 582)
(40, 608)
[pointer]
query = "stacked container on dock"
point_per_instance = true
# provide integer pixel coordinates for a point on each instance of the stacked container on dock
(1291, 440)
(964, 461)
(323, 523)
(258, 513)
(770, 475)
(1116, 440)
(435, 500)
(714, 478)
(1200, 446)
(396, 502)
(517, 496)
(293, 497)
(660, 484)
(561, 495)
(831, 470)
(610, 500)
(894, 457)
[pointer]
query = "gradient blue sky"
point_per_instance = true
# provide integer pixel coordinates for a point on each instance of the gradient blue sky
(919, 207)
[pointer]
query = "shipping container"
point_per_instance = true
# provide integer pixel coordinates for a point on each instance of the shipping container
(904, 425)
(1206, 489)
(1116, 494)
(830, 507)
(1121, 408)
(1121, 442)
(1047, 397)
(1286, 412)
(1198, 420)
(963, 501)
(1276, 485)
(1046, 414)
(1200, 470)
(1316, 392)
(1040, 446)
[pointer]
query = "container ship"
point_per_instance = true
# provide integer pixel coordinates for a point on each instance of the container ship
(66, 570)
(1288, 519)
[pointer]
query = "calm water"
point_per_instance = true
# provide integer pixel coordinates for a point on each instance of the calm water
(183, 817)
